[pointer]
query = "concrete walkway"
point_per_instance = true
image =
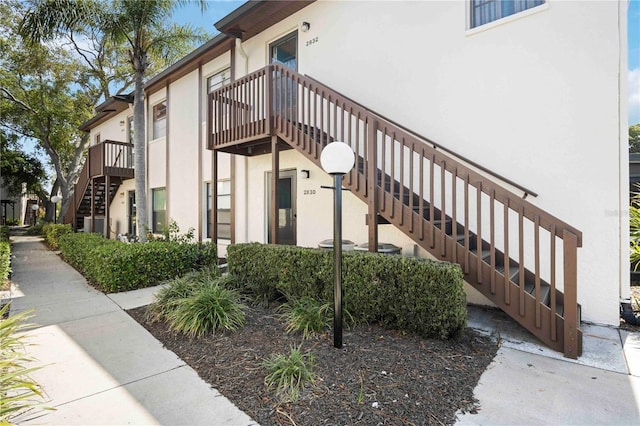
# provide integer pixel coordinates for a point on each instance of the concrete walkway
(529, 384)
(101, 366)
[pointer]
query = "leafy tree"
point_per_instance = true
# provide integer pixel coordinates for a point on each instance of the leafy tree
(140, 27)
(634, 138)
(18, 168)
(43, 101)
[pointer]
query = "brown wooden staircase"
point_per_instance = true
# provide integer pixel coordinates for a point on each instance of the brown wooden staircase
(520, 257)
(108, 164)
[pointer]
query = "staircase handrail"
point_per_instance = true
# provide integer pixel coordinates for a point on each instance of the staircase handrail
(435, 145)
(548, 220)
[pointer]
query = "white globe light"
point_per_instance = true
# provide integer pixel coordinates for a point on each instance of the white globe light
(56, 199)
(337, 158)
(34, 207)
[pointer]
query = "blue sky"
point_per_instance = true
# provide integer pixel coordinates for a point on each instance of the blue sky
(634, 61)
(217, 9)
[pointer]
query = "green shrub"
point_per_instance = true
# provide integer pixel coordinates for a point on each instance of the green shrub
(421, 296)
(17, 389)
(209, 309)
(179, 288)
(37, 228)
(5, 262)
(121, 267)
(4, 233)
(52, 233)
(288, 374)
(77, 248)
(306, 315)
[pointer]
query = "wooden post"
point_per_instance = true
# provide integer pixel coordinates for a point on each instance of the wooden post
(93, 204)
(107, 194)
(269, 82)
(214, 197)
(570, 245)
(275, 175)
(372, 185)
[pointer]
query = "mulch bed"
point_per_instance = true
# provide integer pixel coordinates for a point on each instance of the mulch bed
(379, 377)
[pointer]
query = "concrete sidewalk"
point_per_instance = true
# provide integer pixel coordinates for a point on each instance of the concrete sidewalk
(101, 366)
(104, 368)
(527, 383)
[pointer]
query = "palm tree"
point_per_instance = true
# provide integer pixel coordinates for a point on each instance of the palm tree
(142, 27)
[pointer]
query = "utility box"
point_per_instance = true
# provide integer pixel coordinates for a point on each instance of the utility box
(98, 227)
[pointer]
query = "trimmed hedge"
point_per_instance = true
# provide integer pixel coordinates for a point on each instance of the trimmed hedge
(76, 249)
(421, 296)
(121, 267)
(52, 233)
(5, 261)
(116, 266)
(4, 234)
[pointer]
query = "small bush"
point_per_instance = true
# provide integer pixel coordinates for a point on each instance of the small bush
(121, 267)
(5, 262)
(77, 248)
(18, 391)
(305, 315)
(288, 374)
(4, 234)
(53, 232)
(421, 296)
(36, 229)
(209, 309)
(180, 288)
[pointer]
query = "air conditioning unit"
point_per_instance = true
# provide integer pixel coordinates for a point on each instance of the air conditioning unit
(98, 225)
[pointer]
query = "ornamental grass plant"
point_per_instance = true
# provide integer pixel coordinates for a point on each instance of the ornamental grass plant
(288, 374)
(18, 391)
(210, 309)
(305, 315)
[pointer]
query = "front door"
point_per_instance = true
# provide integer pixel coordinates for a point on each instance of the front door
(285, 51)
(131, 212)
(286, 207)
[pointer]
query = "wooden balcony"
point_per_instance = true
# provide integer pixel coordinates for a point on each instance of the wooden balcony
(108, 164)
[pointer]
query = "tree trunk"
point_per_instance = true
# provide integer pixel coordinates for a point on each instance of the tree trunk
(139, 158)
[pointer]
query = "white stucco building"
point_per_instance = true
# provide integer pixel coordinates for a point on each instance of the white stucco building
(508, 117)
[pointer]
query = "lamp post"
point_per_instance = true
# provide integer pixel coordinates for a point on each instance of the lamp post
(55, 200)
(337, 159)
(34, 207)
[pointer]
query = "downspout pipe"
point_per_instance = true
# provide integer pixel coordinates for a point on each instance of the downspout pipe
(240, 50)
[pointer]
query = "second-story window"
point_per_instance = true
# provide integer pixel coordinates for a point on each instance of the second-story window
(485, 11)
(97, 139)
(160, 120)
(218, 80)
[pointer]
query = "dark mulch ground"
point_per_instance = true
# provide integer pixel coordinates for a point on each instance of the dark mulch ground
(379, 377)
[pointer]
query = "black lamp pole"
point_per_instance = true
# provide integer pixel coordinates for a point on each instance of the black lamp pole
(337, 261)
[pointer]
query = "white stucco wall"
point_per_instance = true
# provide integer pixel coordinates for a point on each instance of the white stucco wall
(535, 99)
(119, 209)
(183, 187)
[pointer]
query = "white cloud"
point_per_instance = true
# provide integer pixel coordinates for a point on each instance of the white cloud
(634, 96)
